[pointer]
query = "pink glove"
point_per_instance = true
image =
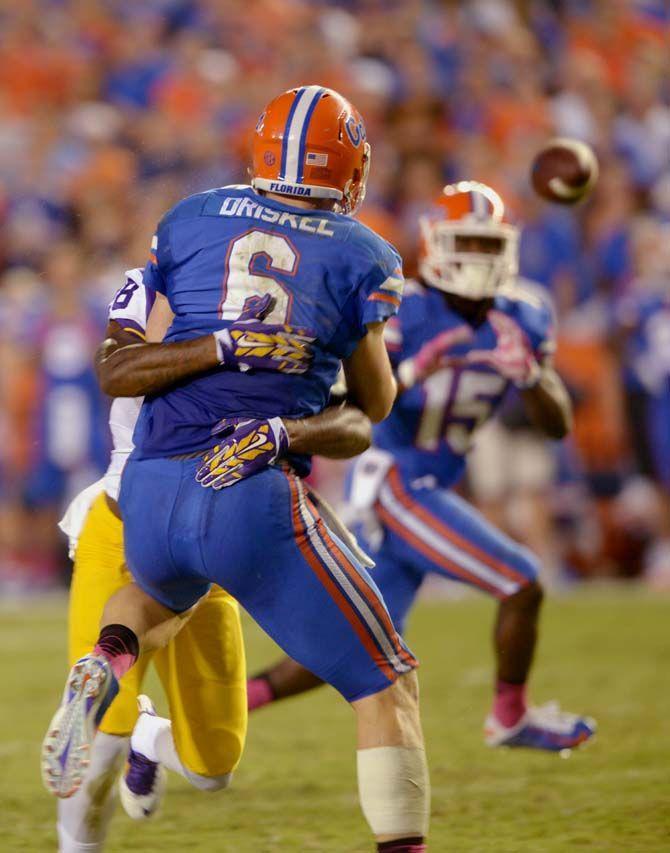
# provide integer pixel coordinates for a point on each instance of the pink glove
(433, 356)
(513, 356)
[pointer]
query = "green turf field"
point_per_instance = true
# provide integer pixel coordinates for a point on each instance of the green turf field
(604, 652)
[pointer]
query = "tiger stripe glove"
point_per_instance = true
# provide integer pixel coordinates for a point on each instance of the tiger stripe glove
(250, 343)
(248, 446)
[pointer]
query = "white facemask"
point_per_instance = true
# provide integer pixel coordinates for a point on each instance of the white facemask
(470, 274)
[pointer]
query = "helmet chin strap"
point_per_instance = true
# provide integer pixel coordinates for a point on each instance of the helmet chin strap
(473, 311)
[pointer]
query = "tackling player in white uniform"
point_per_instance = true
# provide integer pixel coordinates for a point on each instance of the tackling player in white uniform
(203, 668)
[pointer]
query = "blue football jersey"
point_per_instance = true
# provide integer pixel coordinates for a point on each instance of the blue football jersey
(212, 252)
(646, 357)
(432, 425)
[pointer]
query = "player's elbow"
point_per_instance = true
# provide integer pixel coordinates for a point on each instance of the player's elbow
(557, 432)
(360, 436)
(109, 368)
(378, 412)
(113, 383)
(560, 426)
(378, 404)
(108, 382)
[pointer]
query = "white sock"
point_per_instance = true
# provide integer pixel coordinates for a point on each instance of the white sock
(84, 818)
(394, 790)
(152, 738)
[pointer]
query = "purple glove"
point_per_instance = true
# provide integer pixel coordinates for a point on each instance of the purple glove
(248, 446)
(250, 343)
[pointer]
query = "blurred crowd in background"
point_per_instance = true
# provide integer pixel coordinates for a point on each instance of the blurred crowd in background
(111, 110)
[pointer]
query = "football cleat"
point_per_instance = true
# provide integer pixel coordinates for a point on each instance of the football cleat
(142, 785)
(90, 688)
(544, 727)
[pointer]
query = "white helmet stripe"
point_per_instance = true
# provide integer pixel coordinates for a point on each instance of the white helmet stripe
(479, 204)
(295, 130)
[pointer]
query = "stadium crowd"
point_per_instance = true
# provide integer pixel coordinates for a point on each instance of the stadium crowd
(111, 110)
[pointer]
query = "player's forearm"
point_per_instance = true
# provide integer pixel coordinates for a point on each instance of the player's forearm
(371, 384)
(339, 432)
(548, 405)
(134, 370)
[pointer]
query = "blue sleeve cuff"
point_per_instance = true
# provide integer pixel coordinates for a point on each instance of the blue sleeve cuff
(153, 278)
(379, 307)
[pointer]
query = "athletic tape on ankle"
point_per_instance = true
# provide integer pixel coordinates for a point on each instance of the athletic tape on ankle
(394, 790)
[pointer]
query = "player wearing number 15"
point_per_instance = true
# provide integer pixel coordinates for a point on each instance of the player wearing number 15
(465, 333)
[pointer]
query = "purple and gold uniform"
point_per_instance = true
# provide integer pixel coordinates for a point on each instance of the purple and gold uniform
(202, 669)
(263, 541)
(419, 454)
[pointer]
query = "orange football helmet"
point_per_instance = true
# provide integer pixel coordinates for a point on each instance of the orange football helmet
(466, 246)
(310, 143)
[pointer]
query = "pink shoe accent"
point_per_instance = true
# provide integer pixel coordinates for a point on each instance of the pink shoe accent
(402, 847)
(120, 663)
(510, 703)
(259, 693)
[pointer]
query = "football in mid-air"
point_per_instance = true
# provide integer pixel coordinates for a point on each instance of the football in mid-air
(564, 171)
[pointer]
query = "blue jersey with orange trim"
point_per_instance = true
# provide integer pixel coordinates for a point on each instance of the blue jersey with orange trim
(212, 252)
(432, 425)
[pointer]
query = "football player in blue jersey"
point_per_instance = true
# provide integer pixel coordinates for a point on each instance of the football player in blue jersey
(289, 236)
(465, 333)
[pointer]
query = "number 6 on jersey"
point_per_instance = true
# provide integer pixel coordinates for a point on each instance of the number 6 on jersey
(250, 263)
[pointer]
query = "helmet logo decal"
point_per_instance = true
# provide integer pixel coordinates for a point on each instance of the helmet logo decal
(355, 131)
(269, 158)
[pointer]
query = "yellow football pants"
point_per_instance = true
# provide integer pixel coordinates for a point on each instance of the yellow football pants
(203, 669)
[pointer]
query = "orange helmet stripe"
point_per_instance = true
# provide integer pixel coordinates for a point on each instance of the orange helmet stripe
(457, 205)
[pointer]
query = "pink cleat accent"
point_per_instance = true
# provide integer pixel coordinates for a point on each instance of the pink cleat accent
(259, 693)
(403, 845)
(509, 705)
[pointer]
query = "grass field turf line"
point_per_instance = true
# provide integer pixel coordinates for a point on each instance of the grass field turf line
(604, 652)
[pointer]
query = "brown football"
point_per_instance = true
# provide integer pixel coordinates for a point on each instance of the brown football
(564, 171)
